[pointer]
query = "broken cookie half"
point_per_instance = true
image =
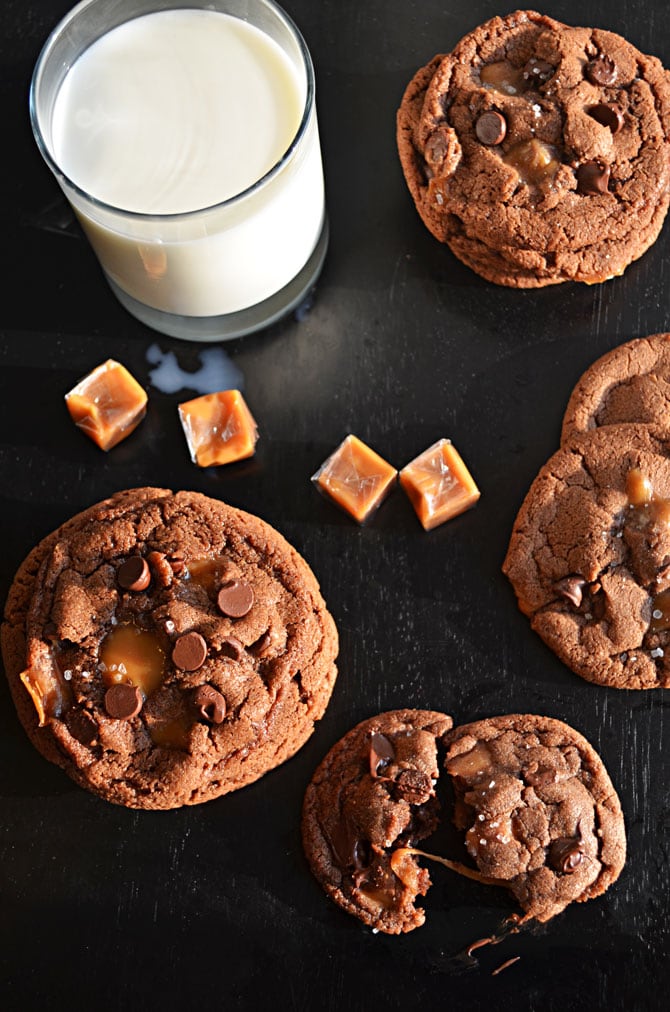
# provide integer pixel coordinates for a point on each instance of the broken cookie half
(374, 793)
(538, 811)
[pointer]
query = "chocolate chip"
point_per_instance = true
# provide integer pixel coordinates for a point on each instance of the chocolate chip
(262, 646)
(608, 114)
(565, 855)
(361, 855)
(382, 753)
(235, 598)
(81, 725)
(602, 70)
(436, 146)
(414, 787)
(160, 567)
(123, 701)
(177, 564)
(538, 71)
(571, 588)
(593, 178)
(232, 647)
(189, 652)
(491, 128)
(134, 574)
(210, 704)
(348, 849)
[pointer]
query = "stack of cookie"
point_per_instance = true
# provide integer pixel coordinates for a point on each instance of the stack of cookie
(538, 152)
(589, 556)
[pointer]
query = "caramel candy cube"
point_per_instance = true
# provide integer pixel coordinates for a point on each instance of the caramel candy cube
(355, 478)
(219, 428)
(439, 484)
(108, 404)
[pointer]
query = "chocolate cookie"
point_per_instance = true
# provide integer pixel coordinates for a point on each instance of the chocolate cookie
(631, 383)
(538, 810)
(589, 556)
(164, 649)
(538, 152)
(373, 793)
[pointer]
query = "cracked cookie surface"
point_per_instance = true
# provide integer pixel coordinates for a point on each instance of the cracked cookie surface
(589, 556)
(631, 383)
(164, 648)
(539, 152)
(373, 793)
(538, 810)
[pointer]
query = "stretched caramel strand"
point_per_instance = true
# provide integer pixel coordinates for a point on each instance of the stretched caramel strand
(461, 869)
(503, 966)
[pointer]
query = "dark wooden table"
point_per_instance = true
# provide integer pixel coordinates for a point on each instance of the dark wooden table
(109, 909)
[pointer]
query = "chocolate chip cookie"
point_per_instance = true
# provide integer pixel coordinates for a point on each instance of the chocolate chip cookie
(373, 793)
(589, 556)
(535, 804)
(539, 152)
(164, 648)
(631, 383)
(539, 812)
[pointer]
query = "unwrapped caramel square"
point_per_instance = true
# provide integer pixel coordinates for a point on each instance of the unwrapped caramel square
(356, 478)
(108, 404)
(219, 428)
(439, 484)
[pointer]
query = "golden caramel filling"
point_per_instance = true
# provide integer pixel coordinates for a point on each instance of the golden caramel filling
(48, 696)
(638, 488)
(209, 573)
(646, 508)
(47, 689)
(503, 77)
(134, 657)
(470, 763)
(534, 161)
(384, 899)
(173, 733)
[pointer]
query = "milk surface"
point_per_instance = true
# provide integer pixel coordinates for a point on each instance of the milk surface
(176, 112)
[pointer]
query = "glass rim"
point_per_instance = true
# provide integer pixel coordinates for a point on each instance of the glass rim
(174, 216)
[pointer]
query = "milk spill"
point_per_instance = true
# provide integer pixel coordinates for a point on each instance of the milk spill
(216, 372)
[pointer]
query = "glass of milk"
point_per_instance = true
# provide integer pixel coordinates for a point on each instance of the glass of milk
(185, 137)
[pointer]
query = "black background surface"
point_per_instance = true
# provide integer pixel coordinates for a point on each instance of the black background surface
(107, 908)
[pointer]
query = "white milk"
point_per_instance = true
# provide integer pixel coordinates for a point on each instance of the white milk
(176, 112)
